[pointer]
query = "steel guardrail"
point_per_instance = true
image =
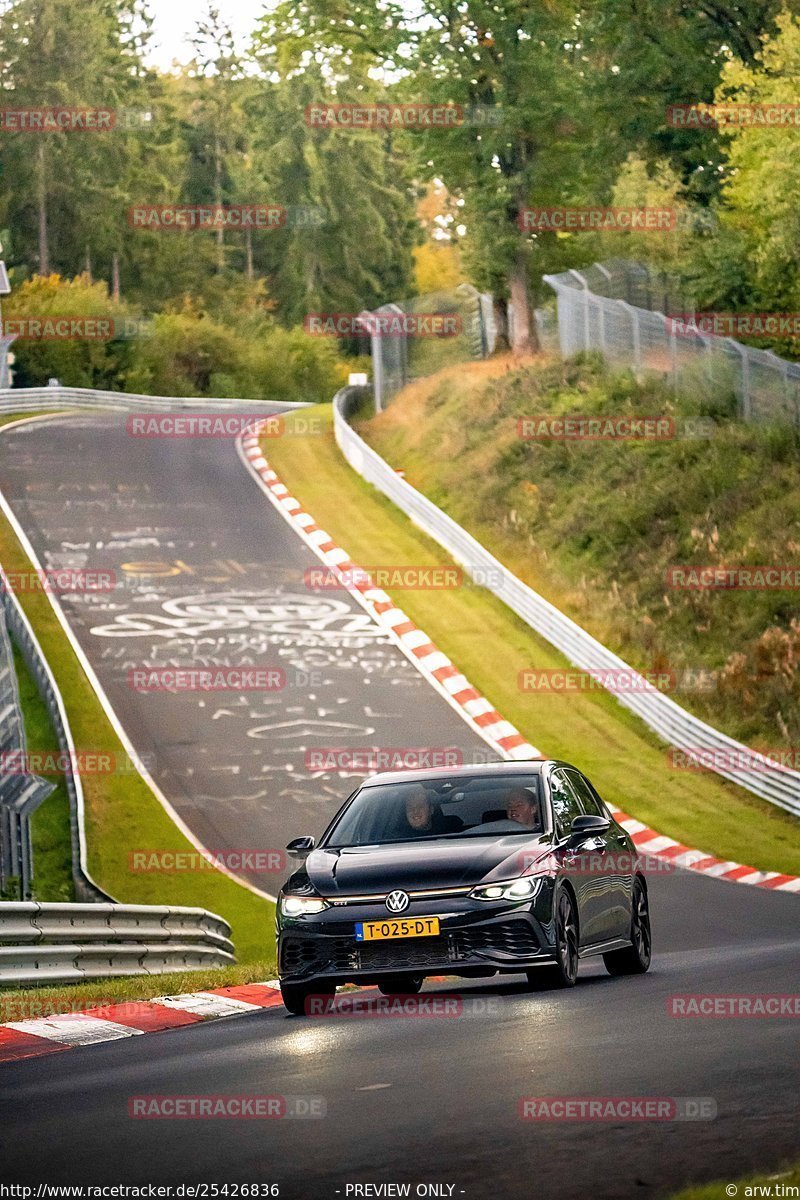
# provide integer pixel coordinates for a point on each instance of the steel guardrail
(64, 943)
(36, 399)
(678, 728)
(21, 790)
(85, 886)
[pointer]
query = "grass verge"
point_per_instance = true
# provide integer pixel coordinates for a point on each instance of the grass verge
(491, 645)
(754, 1185)
(123, 813)
(24, 1004)
(50, 828)
(608, 529)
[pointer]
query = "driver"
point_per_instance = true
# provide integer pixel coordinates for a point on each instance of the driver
(424, 818)
(522, 808)
(419, 810)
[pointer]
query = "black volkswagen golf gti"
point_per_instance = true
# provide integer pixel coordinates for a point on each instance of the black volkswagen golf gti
(509, 867)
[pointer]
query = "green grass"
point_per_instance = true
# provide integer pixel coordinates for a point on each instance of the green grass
(491, 645)
(747, 1188)
(8, 418)
(50, 828)
(24, 1003)
(122, 812)
(595, 526)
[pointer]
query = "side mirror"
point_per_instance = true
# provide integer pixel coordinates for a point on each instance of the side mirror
(301, 847)
(588, 826)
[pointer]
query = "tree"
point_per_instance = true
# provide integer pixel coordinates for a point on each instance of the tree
(348, 196)
(643, 55)
(762, 177)
(66, 191)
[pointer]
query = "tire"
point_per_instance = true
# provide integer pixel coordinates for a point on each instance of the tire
(296, 995)
(634, 959)
(564, 972)
(401, 985)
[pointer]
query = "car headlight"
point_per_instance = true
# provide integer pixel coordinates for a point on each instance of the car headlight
(510, 889)
(301, 906)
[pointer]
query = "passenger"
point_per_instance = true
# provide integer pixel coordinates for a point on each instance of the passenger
(522, 808)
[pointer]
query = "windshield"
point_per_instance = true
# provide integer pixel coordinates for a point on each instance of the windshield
(470, 806)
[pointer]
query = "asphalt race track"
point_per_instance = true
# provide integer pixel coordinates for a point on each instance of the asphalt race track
(409, 1099)
(413, 1099)
(207, 573)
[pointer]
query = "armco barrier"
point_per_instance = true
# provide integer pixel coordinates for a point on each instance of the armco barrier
(674, 724)
(24, 400)
(21, 791)
(20, 628)
(65, 943)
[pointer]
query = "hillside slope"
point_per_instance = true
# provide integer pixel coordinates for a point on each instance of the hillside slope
(596, 526)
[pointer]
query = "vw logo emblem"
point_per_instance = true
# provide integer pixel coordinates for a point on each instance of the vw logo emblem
(397, 902)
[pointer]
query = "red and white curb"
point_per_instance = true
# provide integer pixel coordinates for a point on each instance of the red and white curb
(63, 1031)
(456, 688)
(649, 843)
(413, 641)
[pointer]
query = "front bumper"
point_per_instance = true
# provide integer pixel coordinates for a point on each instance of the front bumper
(474, 938)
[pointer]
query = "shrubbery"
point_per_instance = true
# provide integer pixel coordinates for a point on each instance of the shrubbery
(230, 350)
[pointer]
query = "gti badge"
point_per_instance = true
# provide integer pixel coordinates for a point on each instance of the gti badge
(397, 902)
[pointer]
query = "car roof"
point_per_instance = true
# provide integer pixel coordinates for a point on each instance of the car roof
(490, 769)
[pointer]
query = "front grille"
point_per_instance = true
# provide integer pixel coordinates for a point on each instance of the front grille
(410, 952)
(343, 955)
(514, 938)
(307, 956)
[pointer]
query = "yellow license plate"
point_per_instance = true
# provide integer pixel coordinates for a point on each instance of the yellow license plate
(397, 927)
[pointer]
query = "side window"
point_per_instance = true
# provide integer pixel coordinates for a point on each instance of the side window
(566, 806)
(590, 801)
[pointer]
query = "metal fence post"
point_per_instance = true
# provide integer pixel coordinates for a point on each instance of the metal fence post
(669, 331)
(635, 333)
(746, 406)
(582, 281)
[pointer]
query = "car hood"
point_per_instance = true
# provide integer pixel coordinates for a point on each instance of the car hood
(448, 863)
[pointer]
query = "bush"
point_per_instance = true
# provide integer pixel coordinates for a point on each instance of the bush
(188, 351)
